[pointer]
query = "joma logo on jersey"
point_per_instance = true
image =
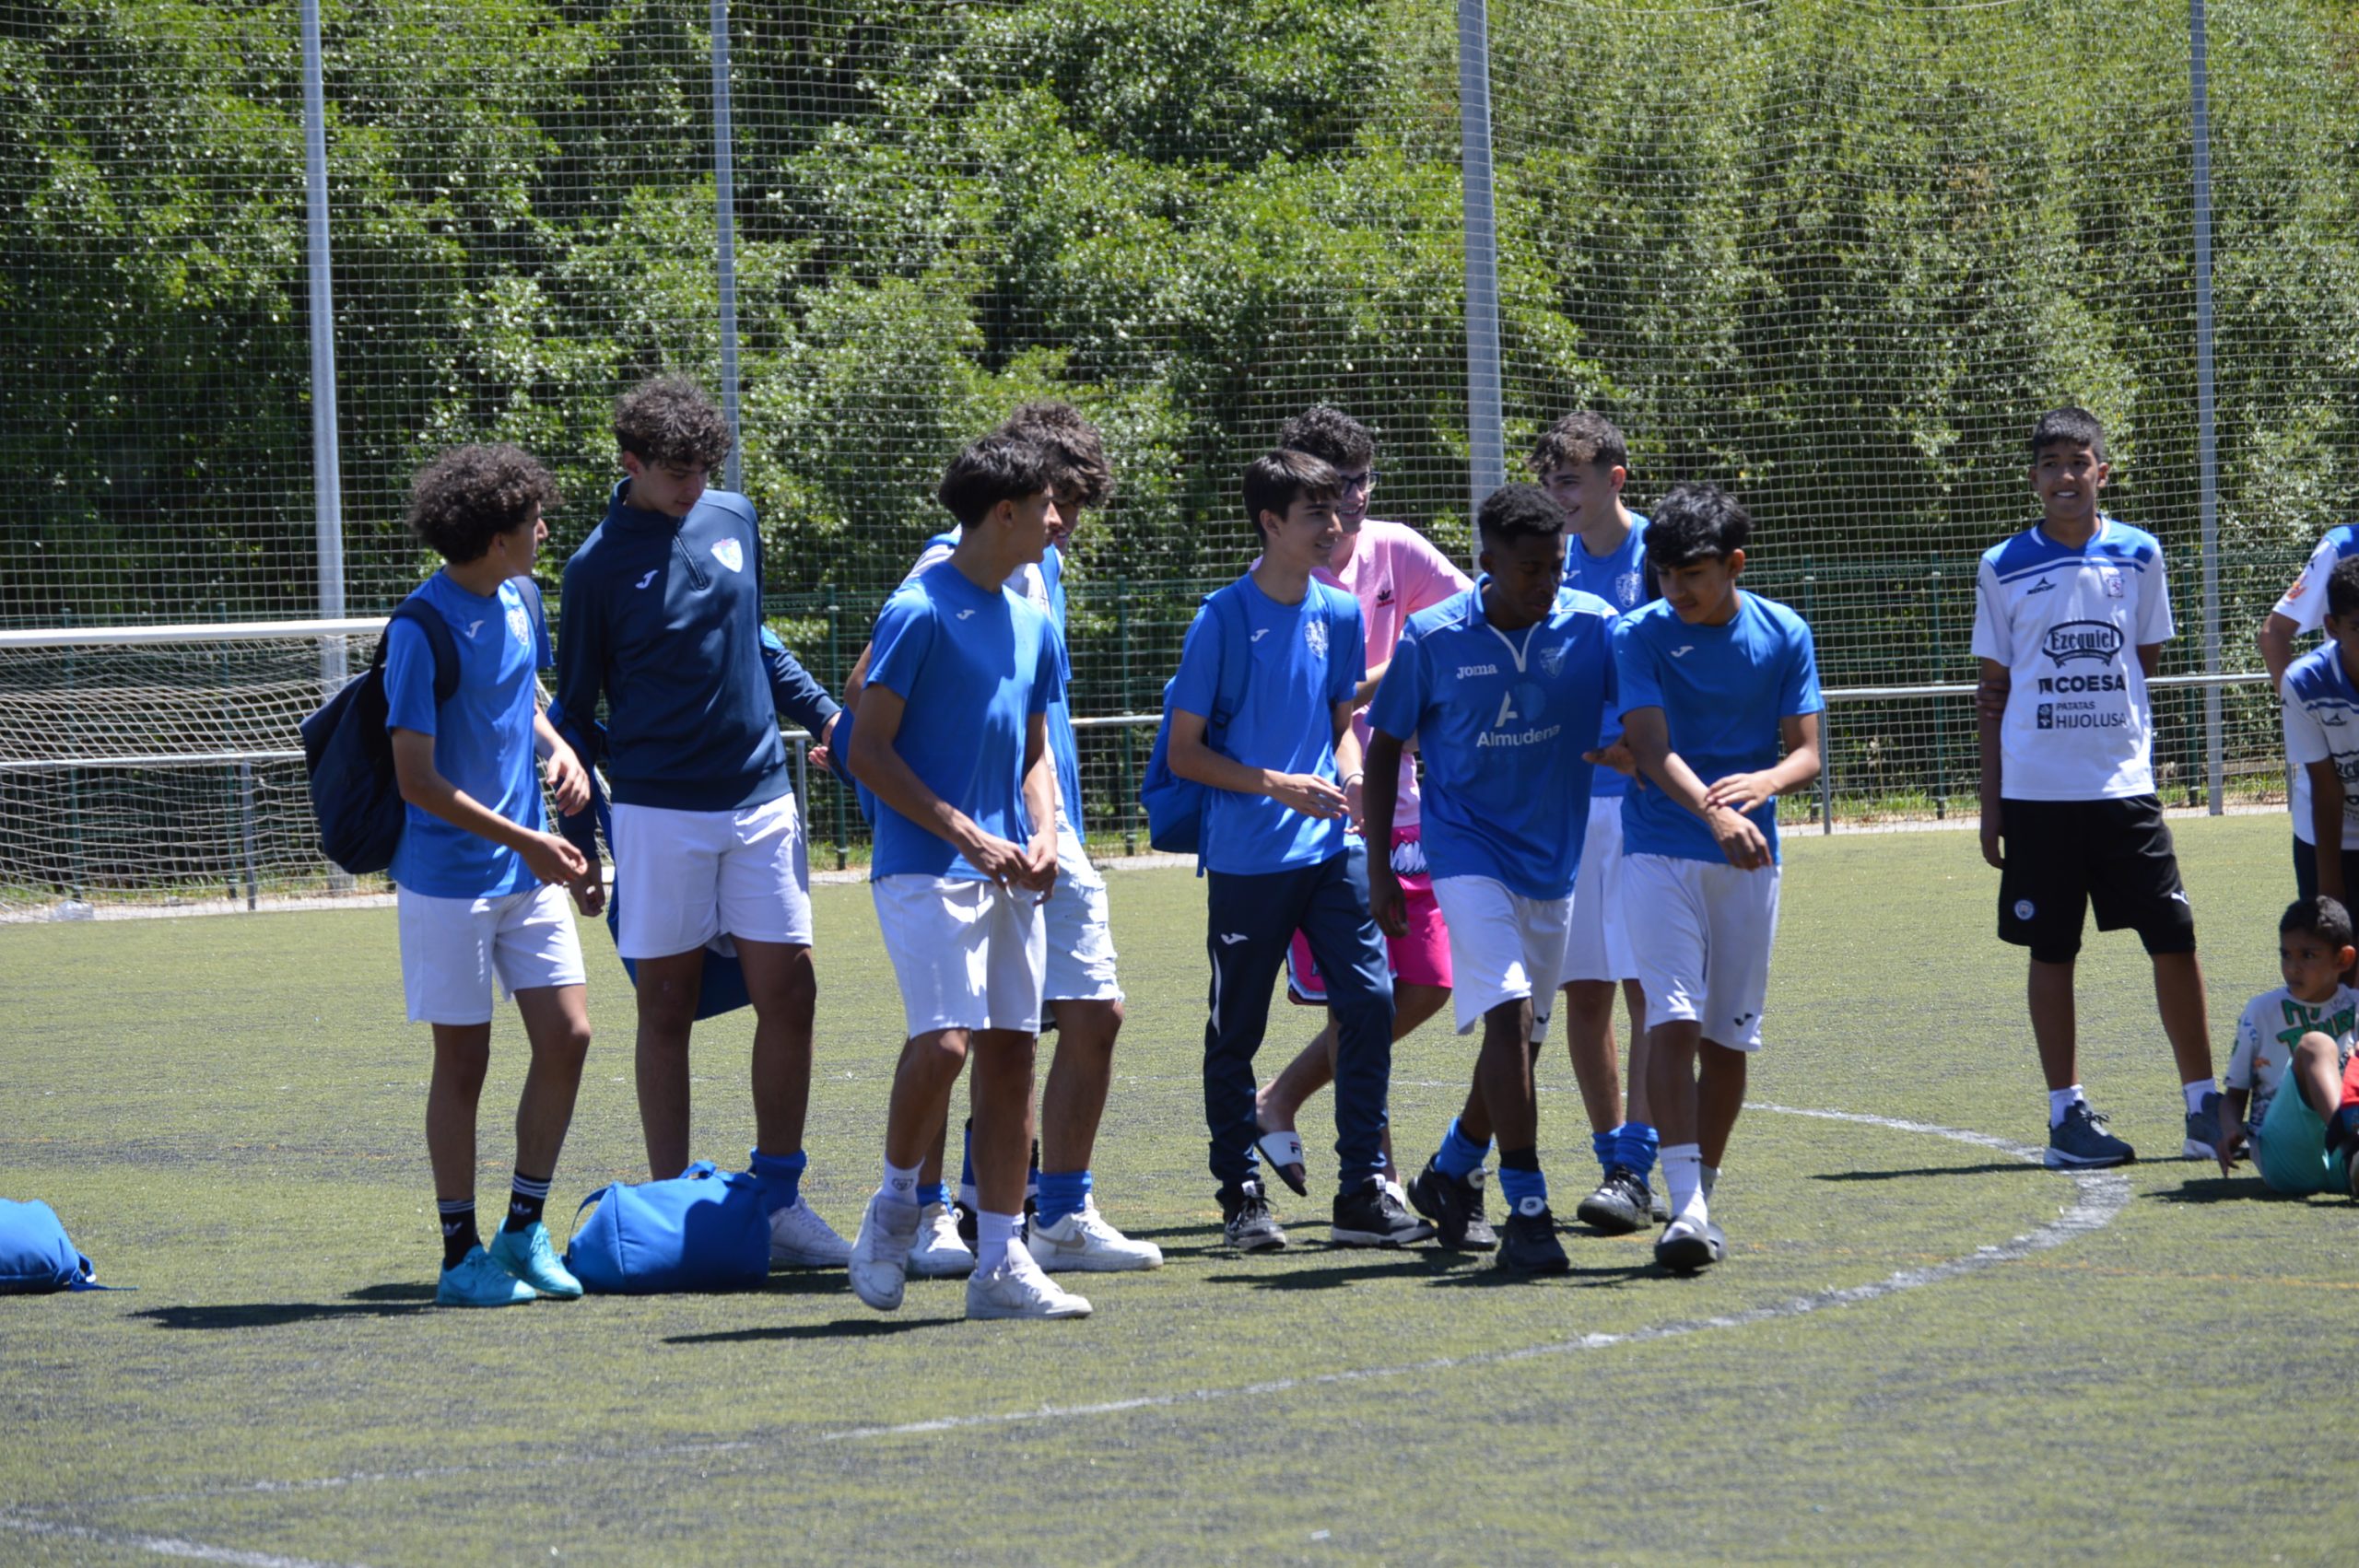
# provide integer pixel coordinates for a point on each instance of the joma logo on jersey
(1468, 671)
(2096, 642)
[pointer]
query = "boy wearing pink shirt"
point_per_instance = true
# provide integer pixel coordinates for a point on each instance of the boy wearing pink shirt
(1393, 572)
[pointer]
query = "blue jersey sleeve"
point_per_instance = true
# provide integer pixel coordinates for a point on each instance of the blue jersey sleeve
(1400, 697)
(1196, 688)
(1048, 679)
(581, 662)
(904, 636)
(793, 691)
(409, 679)
(1634, 672)
(1346, 649)
(544, 656)
(1799, 692)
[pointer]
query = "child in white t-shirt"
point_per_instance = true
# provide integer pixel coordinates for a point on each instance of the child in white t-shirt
(2289, 1089)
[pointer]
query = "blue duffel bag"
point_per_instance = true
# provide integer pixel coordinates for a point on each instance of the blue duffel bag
(36, 1257)
(704, 1230)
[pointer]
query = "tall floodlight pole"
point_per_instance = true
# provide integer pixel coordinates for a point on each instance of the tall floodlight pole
(2206, 402)
(327, 478)
(724, 186)
(1487, 440)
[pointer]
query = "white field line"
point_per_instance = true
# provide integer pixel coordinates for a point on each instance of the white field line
(162, 1546)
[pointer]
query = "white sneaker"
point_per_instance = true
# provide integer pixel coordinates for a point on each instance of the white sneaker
(1017, 1289)
(1084, 1241)
(800, 1239)
(938, 1253)
(1400, 1193)
(880, 1254)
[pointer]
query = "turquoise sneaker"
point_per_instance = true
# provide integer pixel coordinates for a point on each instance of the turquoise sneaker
(528, 1254)
(476, 1280)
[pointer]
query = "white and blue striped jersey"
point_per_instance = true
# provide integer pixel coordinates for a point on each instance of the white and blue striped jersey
(2067, 621)
(2323, 725)
(2304, 603)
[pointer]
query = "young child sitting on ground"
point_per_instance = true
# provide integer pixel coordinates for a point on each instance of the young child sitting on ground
(2294, 1047)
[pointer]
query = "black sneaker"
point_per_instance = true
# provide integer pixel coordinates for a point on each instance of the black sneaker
(1532, 1246)
(1247, 1223)
(966, 1218)
(1685, 1246)
(1369, 1216)
(2082, 1141)
(1621, 1204)
(1455, 1206)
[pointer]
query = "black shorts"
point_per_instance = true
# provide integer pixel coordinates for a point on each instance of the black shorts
(2064, 856)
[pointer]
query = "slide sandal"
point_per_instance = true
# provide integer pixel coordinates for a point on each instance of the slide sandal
(1282, 1151)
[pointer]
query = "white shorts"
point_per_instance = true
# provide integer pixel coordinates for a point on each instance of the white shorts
(452, 949)
(1703, 930)
(1503, 947)
(1597, 943)
(683, 878)
(968, 954)
(1081, 941)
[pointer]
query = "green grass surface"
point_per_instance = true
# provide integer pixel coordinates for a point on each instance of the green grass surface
(227, 1111)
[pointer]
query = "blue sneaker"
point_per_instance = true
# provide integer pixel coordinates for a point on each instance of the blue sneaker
(528, 1254)
(2202, 1129)
(476, 1280)
(2081, 1142)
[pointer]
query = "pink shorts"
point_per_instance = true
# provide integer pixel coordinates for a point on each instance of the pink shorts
(1420, 958)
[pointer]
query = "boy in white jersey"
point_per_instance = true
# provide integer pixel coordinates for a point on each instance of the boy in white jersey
(2321, 695)
(1504, 687)
(476, 863)
(1713, 682)
(1583, 462)
(2303, 607)
(1394, 573)
(2288, 1081)
(2070, 618)
(951, 737)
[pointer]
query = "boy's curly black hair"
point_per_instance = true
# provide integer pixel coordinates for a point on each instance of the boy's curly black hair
(1072, 444)
(465, 498)
(1331, 435)
(669, 419)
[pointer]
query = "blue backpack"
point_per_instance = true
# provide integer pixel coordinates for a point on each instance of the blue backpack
(1175, 806)
(349, 756)
(36, 1257)
(702, 1231)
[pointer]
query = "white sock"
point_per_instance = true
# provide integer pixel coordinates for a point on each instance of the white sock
(992, 1235)
(2062, 1100)
(1711, 1175)
(1682, 1179)
(901, 1184)
(2195, 1089)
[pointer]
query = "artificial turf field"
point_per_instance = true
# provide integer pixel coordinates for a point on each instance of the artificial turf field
(1921, 1348)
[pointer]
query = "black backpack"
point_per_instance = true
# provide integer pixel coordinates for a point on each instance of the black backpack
(350, 757)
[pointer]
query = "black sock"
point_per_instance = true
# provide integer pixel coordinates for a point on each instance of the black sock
(525, 1202)
(459, 1235)
(1525, 1159)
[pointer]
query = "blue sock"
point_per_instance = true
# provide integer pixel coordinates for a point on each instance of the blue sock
(932, 1192)
(967, 1159)
(1459, 1154)
(1519, 1178)
(1634, 1144)
(1606, 1146)
(1062, 1193)
(782, 1177)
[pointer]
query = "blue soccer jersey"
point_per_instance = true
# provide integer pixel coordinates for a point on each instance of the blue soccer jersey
(1722, 690)
(483, 736)
(1619, 579)
(1502, 720)
(2304, 603)
(2321, 716)
(1304, 660)
(970, 666)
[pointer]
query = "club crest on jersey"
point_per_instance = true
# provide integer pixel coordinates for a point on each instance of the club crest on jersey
(2112, 580)
(1625, 588)
(729, 554)
(1552, 660)
(1314, 632)
(2096, 642)
(520, 625)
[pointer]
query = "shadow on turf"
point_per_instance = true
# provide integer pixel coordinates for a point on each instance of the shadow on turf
(2219, 1190)
(1995, 1167)
(369, 1301)
(842, 1328)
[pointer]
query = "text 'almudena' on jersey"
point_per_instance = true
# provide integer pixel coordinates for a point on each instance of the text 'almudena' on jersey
(2323, 725)
(1502, 718)
(2304, 603)
(2067, 622)
(1723, 691)
(1619, 578)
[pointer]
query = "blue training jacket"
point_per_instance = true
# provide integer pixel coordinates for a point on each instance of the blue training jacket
(663, 618)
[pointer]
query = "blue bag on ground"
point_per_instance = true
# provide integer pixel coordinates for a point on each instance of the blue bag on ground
(36, 1257)
(705, 1229)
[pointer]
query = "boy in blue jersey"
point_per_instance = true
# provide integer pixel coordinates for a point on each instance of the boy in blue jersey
(1276, 856)
(2303, 609)
(476, 864)
(2070, 620)
(952, 739)
(2321, 694)
(1081, 995)
(1713, 682)
(661, 617)
(1504, 687)
(1582, 461)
